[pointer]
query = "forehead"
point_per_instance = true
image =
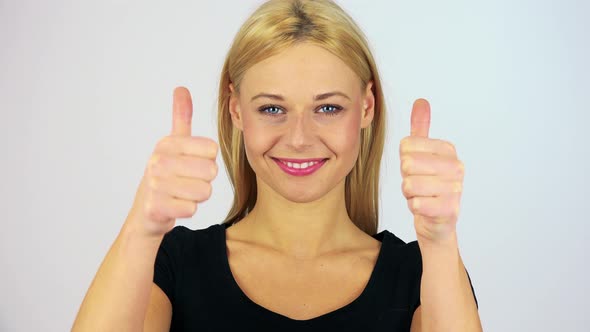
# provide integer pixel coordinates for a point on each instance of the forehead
(301, 71)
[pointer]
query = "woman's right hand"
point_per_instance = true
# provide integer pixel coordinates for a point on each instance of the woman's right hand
(178, 175)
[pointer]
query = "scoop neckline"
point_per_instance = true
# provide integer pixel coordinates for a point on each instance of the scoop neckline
(358, 301)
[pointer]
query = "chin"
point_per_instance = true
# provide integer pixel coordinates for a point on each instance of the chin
(305, 193)
(300, 193)
(303, 198)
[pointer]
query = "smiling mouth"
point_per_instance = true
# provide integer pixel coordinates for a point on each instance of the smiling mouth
(300, 163)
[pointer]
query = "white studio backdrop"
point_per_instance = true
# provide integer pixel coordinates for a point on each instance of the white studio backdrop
(86, 92)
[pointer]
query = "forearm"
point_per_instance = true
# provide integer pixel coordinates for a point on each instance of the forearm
(118, 297)
(447, 301)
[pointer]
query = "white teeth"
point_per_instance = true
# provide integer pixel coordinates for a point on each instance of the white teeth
(299, 166)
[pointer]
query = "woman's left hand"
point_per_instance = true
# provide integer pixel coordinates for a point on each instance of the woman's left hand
(432, 180)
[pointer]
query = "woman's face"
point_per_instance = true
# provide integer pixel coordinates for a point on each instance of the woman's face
(303, 103)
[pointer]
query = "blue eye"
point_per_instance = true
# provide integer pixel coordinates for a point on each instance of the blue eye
(331, 109)
(273, 110)
(270, 110)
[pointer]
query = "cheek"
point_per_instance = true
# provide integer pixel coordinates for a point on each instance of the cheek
(346, 139)
(254, 141)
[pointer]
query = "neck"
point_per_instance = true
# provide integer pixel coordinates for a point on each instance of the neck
(302, 230)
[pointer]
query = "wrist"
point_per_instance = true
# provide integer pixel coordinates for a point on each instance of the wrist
(133, 230)
(449, 243)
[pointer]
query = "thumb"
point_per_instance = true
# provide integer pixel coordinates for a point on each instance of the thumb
(420, 119)
(182, 112)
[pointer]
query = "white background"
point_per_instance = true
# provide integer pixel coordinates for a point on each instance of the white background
(86, 92)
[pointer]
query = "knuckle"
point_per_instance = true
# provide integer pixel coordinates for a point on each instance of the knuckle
(460, 168)
(188, 209)
(192, 209)
(208, 190)
(406, 186)
(214, 169)
(151, 211)
(214, 147)
(412, 205)
(403, 146)
(183, 211)
(154, 183)
(457, 210)
(211, 169)
(406, 163)
(156, 164)
(453, 207)
(448, 210)
(453, 211)
(164, 143)
(207, 145)
(451, 147)
(151, 163)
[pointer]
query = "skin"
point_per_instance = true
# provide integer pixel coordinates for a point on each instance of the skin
(299, 227)
(300, 223)
(432, 182)
(302, 216)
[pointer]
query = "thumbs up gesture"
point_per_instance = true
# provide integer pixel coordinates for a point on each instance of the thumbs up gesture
(432, 179)
(178, 175)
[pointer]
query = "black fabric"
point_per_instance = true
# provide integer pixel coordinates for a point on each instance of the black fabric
(192, 268)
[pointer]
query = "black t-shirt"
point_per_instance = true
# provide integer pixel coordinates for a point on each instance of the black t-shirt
(192, 268)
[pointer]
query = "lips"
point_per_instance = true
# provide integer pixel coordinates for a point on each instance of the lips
(293, 166)
(299, 161)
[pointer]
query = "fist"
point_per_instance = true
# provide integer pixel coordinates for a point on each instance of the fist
(178, 175)
(432, 179)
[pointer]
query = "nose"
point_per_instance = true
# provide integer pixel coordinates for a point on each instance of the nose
(300, 132)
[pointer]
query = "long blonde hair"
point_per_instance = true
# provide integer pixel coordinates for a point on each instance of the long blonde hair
(273, 27)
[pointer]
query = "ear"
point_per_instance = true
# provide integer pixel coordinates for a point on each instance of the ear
(234, 108)
(368, 110)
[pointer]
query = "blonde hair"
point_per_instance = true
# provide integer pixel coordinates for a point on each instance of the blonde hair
(273, 27)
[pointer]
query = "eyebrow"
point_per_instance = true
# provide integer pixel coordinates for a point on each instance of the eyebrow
(315, 98)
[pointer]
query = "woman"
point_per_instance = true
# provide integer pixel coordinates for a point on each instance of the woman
(301, 130)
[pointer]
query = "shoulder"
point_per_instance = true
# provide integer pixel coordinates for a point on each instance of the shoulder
(183, 239)
(393, 239)
(399, 251)
(186, 250)
(180, 257)
(181, 232)
(404, 267)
